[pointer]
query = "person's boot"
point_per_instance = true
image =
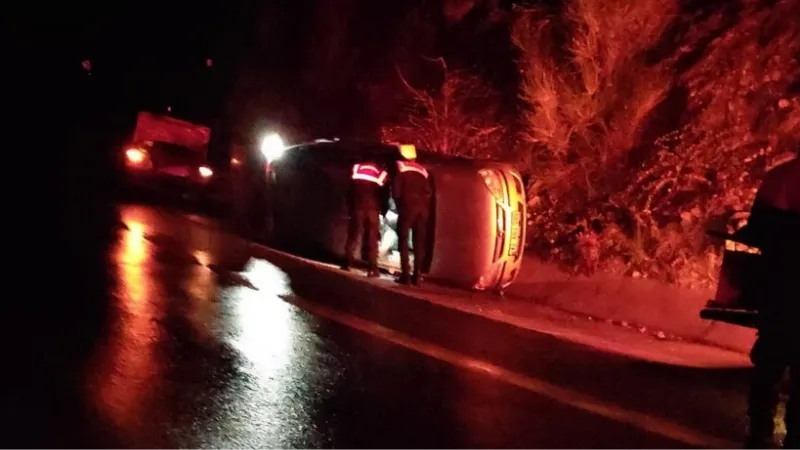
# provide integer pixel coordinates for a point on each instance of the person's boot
(404, 279)
(417, 279)
(346, 266)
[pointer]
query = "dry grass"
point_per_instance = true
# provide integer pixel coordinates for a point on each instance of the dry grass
(589, 97)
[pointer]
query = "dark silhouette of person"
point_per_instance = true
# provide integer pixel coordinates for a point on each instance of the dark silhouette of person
(774, 227)
(411, 190)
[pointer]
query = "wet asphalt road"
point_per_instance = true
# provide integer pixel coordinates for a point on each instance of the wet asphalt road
(174, 348)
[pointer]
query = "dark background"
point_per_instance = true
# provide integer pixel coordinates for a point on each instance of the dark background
(305, 68)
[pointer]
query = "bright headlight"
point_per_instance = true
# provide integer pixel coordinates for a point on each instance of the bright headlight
(272, 147)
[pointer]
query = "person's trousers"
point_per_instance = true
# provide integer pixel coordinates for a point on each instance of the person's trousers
(771, 359)
(415, 221)
(364, 224)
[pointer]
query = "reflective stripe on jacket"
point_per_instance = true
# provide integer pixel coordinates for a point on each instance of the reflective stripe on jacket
(411, 186)
(411, 166)
(369, 172)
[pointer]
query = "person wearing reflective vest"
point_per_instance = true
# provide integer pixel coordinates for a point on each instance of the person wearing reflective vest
(411, 190)
(367, 187)
(774, 227)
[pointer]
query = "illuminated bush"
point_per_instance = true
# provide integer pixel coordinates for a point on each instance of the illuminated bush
(614, 187)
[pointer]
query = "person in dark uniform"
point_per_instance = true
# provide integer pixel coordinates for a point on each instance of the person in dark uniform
(774, 227)
(411, 191)
(368, 180)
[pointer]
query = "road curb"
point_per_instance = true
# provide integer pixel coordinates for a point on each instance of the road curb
(661, 313)
(636, 303)
(482, 305)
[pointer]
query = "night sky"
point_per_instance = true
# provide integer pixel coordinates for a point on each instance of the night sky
(151, 54)
(268, 67)
(154, 54)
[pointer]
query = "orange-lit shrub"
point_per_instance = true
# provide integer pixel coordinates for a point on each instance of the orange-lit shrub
(607, 194)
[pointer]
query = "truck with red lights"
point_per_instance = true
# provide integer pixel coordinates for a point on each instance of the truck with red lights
(168, 156)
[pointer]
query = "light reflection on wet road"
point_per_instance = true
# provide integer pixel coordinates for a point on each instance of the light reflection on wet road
(195, 355)
(242, 367)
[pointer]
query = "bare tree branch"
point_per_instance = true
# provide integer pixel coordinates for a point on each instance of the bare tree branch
(405, 82)
(458, 117)
(439, 60)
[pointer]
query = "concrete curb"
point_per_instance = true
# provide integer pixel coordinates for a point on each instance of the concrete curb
(645, 305)
(631, 302)
(519, 313)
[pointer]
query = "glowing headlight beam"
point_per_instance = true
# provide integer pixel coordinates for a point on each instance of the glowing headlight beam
(272, 147)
